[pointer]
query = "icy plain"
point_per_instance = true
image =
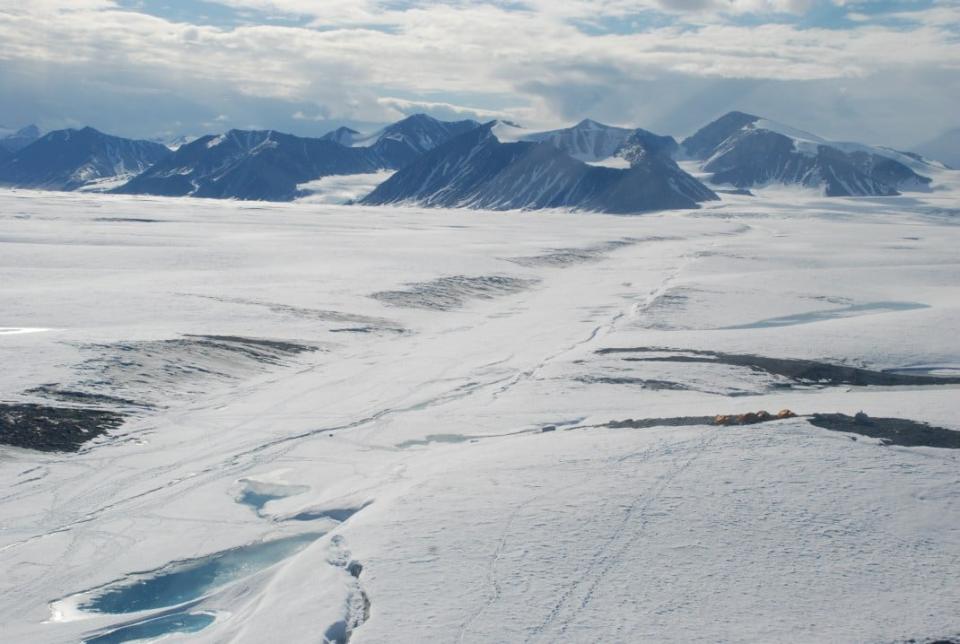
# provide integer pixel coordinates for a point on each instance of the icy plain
(410, 426)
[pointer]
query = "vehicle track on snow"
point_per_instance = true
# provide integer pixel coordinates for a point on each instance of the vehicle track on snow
(610, 558)
(641, 456)
(609, 554)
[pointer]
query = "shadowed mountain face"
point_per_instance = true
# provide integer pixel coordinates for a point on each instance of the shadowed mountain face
(745, 150)
(400, 143)
(641, 144)
(15, 141)
(704, 143)
(268, 165)
(477, 170)
(72, 159)
(342, 135)
(259, 165)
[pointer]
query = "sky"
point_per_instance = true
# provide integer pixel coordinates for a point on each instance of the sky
(882, 71)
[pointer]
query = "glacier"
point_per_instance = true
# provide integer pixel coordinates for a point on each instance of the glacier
(421, 424)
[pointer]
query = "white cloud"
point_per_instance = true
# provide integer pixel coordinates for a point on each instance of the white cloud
(402, 107)
(526, 57)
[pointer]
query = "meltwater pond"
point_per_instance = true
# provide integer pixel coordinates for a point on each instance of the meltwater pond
(257, 494)
(831, 314)
(153, 628)
(184, 581)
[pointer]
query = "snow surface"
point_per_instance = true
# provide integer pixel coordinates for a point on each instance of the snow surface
(105, 184)
(611, 162)
(410, 439)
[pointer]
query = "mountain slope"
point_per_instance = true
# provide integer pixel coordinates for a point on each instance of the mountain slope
(342, 135)
(72, 159)
(746, 150)
(642, 143)
(14, 141)
(476, 170)
(585, 141)
(256, 165)
(400, 143)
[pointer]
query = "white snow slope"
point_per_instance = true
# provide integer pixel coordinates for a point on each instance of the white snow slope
(410, 441)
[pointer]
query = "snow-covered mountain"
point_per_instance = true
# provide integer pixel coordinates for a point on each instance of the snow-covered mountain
(268, 165)
(603, 145)
(243, 164)
(15, 140)
(478, 170)
(642, 143)
(73, 159)
(180, 141)
(746, 150)
(586, 141)
(398, 144)
(343, 136)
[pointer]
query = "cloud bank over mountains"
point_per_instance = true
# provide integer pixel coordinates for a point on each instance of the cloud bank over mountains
(885, 71)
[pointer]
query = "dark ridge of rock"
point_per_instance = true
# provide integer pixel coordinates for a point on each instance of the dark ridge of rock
(646, 423)
(377, 324)
(646, 383)
(805, 372)
(892, 431)
(127, 220)
(53, 429)
(564, 257)
(55, 392)
(153, 372)
(279, 346)
(750, 418)
(452, 292)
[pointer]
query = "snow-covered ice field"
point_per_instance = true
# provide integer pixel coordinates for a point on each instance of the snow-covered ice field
(394, 425)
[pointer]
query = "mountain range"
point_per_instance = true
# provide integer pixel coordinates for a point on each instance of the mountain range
(72, 159)
(497, 165)
(268, 165)
(744, 150)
